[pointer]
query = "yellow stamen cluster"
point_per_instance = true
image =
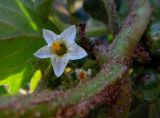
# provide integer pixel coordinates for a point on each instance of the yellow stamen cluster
(59, 48)
(56, 46)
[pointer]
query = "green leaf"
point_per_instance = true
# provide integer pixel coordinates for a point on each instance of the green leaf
(35, 79)
(96, 12)
(43, 7)
(3, 90)
(15, 80)
(16, 61)
(16, 19)
(19, 38)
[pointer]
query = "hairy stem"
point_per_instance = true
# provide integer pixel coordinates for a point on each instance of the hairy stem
(112, 15)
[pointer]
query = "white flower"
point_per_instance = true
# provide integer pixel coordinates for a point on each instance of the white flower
(61, 48)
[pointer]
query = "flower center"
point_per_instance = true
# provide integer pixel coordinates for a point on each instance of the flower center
(59, 48)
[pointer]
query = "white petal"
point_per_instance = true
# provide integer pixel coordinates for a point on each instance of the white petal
(49, 36)
(59, 65)
(76, 52)
(43, 52)
(69, 34)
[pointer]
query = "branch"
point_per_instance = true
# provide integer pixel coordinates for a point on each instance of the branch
(116, 60)
(112, 15)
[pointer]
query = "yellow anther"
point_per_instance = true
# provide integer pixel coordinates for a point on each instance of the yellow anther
(59, 48)
(56, 46)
